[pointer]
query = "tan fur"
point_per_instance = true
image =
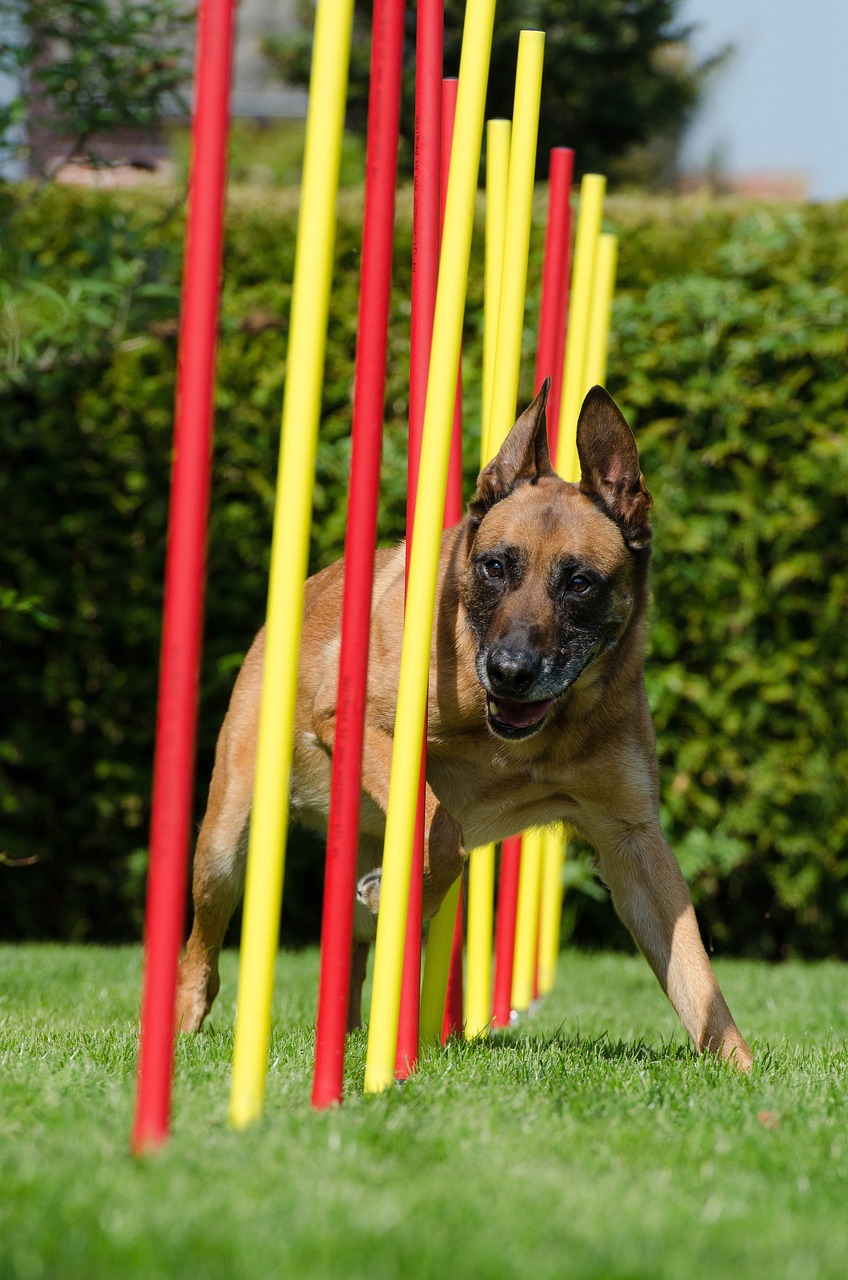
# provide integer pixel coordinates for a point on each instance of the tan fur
(591, 764)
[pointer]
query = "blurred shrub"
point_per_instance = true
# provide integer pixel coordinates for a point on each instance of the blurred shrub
(728, 357)
(737, 386)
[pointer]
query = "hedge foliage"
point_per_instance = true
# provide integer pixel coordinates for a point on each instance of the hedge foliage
(728, 356)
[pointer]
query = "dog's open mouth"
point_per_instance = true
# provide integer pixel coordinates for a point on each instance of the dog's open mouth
(511, 719)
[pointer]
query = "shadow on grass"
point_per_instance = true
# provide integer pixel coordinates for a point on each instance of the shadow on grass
(598, 1048)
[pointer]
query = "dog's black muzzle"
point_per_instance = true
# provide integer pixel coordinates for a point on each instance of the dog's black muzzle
(511, 673)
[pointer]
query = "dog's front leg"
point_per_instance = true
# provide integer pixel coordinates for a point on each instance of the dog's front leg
(652, 899)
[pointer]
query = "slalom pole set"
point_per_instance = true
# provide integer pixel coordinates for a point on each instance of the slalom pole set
(521, 932)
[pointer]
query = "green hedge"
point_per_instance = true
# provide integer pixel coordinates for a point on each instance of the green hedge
(728, 356)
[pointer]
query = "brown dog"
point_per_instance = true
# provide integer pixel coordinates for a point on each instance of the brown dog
(537, 712)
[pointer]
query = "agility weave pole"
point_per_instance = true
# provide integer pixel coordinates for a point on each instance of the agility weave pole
(603, 287)
(519, 214)
(498, 135)
(441, 980)
(556, 272)
(481, 862)
(481, 895)
(592, 190)
(421, 597)
(360, 543)
(505, 922)
(426, 240)
(527, 919)
(454, 505)
(502, 369)
(289, 553)
(550, 907)
(185, 569)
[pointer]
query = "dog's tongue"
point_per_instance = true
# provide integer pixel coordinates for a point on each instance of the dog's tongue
(520, 715)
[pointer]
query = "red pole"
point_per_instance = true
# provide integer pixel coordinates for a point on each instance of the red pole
(360, 541)
(453, 515)
(452, 1023)
(185, 565)
(425, 271)
(556, 272)
(453, 499)
(505, 931)
(550, 354)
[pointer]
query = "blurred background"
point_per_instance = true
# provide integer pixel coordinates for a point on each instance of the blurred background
(719, 126)
(766, 123)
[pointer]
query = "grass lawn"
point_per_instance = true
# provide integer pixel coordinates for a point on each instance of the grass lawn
(589, 1143)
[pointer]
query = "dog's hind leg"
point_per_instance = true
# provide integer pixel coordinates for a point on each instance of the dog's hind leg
(369, 853)
(217, 886)
(221, 855)
(443, 861)
(359, 962)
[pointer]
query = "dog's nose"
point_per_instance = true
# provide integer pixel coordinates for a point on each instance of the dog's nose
(512, 671)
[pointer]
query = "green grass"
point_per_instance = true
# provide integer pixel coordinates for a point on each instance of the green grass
(590, 1143)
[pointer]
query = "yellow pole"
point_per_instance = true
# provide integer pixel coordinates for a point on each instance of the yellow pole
(575, 387)
(519, 209)
(289, 554)
(509, 210)
(519, 216)
(527, 918)
(424, 558)
(481, 863)
(497, 176)
(550, 914)
(481, 915)
(437, 960)
(599, 323)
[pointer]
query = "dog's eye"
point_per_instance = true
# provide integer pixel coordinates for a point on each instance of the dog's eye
(492, 569)
(579, 584)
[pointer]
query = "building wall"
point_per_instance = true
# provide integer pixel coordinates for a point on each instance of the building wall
(257, 93)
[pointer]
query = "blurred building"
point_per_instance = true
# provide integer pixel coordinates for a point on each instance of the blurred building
(776, 184)
(257, 94)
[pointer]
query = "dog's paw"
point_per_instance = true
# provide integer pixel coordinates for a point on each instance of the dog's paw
(191, 1011)
(368, 889)
(196, 992)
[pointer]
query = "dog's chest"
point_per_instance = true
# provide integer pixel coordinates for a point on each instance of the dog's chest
(492, 794)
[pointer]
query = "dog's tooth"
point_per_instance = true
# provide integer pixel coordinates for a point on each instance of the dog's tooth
(493, 707)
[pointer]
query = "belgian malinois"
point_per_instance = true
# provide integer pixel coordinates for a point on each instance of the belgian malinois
(537, 712)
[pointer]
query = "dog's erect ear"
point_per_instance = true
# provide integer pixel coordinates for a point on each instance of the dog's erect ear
(523, 457)
(609, 464)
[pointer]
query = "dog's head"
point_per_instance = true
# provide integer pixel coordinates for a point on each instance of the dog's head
(556, 573)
